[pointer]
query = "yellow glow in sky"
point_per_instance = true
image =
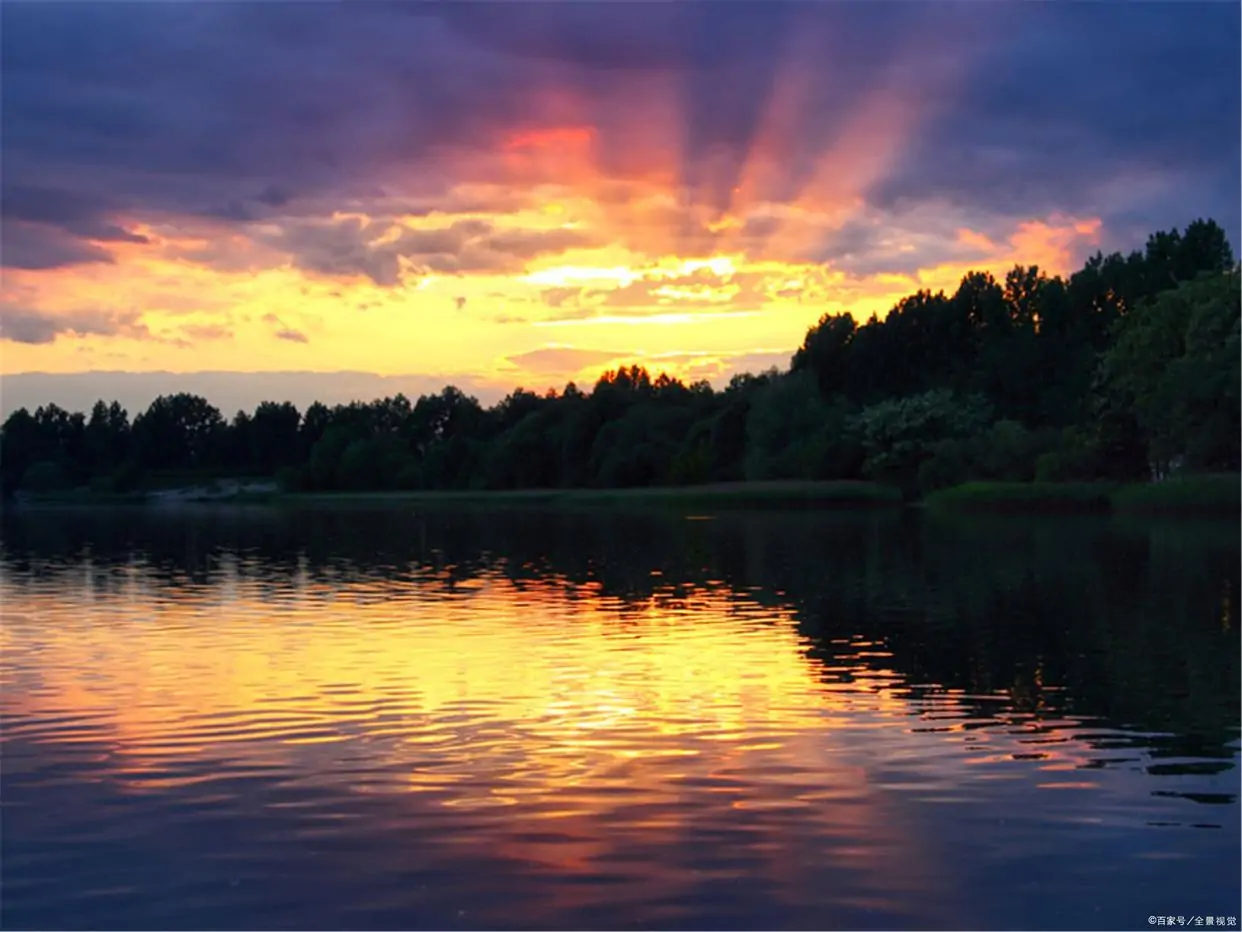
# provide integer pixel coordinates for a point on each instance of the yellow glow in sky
(471, 287)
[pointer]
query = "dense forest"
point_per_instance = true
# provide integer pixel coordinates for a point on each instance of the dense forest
(1127, 367)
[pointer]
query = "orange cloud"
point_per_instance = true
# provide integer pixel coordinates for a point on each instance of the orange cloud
(569, 137)
(563, 154)
(976, 240)
(1055, 244)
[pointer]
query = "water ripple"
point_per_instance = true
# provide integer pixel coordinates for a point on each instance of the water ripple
(452, 747)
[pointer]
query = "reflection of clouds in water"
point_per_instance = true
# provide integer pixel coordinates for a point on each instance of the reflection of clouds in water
(509, 709)
(457, 676)
(567, 672)
(636, 737)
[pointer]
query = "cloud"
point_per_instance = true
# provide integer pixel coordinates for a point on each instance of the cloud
(222, 250)
(283, 331)
(565, 362)
(47, 228)
(223, 159)
(24, 325)
(531, 244)
(1074, 98)
(37, 247)
(755, 361)
(560, 360)
(699, 287)
(344, 248)
(196, 333)
(274, 196)
(354, 246)
(656, 291)
(1024, 109)
(81, 215)
(716, 368)
(902, 242)
(558, 297)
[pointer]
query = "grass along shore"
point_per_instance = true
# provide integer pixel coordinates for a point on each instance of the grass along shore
(1192, 495)
(769, 494)
(1215, 494)
(774, 494)
(1197, 495)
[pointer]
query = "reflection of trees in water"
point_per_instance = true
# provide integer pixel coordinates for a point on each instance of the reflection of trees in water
(1080, 618)
(1134, 623)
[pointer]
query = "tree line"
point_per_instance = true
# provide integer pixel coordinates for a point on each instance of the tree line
(1129, 365)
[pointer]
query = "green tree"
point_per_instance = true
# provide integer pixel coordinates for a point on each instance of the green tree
(794, 433)
(825, 352)
(1175, 365)
(275, 441)
(107, 438)
(46, 476)
(899, 435)
(179, 432)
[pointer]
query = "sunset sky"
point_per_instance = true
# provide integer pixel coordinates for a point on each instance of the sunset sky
(528, 193)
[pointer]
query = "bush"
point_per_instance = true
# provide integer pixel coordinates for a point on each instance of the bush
(128, 477)
(45, 476)
(102, 485)
(409, 474)
(1074, 460)
(691, 465)
(948, 467)
(293, 479)
(901, 434)
(1008, 452)
(787, 428)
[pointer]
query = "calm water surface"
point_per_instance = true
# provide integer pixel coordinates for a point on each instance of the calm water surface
(381, 719)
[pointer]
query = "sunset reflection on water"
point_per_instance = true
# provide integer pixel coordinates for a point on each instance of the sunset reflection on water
(534, 751)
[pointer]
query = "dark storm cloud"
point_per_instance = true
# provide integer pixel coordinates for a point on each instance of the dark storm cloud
(1076, 96)
(274, 196)
(115, 112)
(36, 246)
(82, 215)
(47, 228)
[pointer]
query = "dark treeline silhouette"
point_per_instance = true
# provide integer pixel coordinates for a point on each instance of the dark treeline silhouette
(1128, 366)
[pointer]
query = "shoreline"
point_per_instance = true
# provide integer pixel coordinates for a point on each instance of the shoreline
(1217, 495)
(1193, 496)
(736, 494)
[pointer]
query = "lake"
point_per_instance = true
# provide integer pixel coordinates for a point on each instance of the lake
(356, 718)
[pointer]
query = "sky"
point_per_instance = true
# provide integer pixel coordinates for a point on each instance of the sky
(345, 200)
